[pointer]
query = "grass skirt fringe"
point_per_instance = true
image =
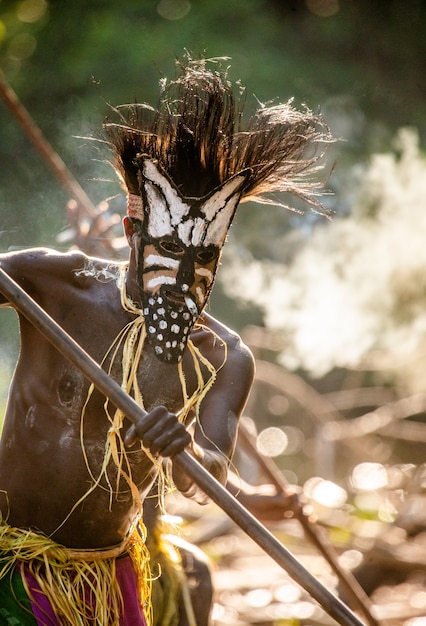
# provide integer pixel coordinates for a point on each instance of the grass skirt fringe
(82, 585)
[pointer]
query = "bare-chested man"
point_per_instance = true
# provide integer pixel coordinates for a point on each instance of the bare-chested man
(73, 471)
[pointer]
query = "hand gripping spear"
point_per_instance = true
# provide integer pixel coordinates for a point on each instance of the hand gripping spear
(212, 488)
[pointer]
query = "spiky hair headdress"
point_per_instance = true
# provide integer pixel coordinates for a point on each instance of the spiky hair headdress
(199, 138)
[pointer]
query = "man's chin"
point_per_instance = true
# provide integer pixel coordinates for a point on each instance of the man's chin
(172, 355)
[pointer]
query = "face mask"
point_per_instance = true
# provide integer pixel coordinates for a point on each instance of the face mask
(179, 251)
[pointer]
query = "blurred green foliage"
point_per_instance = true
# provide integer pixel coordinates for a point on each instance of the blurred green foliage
(356, 289)
(361, 63)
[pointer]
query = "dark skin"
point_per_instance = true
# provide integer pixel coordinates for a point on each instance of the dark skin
(43, 473)
(266, 506)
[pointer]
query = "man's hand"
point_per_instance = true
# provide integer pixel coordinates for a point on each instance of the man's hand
(93, 234)
(266, 502)
(160, 432)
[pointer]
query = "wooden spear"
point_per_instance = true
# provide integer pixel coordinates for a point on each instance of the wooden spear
(51, 157)
(58, 167)
(185, 462)
(358, 599)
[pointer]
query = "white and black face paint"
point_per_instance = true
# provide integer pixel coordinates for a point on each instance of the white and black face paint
(180, 245)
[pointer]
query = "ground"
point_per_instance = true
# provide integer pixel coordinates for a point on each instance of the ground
(251, 589)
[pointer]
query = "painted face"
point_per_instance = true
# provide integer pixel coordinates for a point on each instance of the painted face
(181, 242)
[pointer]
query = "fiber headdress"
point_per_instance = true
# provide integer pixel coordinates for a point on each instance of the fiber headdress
(198, 136)
(186, 165)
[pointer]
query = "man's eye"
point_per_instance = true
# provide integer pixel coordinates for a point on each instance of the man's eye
(206, 256)
(171, 247)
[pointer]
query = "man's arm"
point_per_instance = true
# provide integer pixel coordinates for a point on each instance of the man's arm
(33, 267)
(216, 431)
(22, 267)
(265, 502)
(213, 441)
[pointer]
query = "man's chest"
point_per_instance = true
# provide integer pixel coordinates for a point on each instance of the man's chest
(155, 382)
(118, 342)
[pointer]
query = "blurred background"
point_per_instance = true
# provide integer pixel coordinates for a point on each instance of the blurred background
(334, 310)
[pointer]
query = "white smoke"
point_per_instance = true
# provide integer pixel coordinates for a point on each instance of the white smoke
(355, 293)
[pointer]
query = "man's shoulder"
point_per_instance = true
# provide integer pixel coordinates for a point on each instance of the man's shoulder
(217, 327)
(235, 346)
(37, 269)
(34, 257)
(226, 350)
(46, 260)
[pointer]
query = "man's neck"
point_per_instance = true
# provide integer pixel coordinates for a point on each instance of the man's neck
(132, 284)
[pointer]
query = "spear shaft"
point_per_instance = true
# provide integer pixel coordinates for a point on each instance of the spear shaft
(353, 589)
(67, 346)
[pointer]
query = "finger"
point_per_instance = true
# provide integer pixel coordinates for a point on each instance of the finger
(131, 437)
(173, 448)
(153, 423)
(167, 427)
(138, 430)
(168, 447)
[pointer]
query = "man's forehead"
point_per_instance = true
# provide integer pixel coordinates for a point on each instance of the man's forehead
(164, 206)
(194, 221)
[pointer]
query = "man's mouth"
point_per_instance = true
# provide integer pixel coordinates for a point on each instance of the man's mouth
(181, 299)
(176, 297)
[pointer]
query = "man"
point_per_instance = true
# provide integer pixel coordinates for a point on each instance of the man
(73, 472)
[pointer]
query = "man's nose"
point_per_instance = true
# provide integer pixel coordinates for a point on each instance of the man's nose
(186, 274)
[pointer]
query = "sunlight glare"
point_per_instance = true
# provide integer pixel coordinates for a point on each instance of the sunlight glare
(369, 477)
(416, 621)
(303, 610)
(325, 492)
(418, 600)
(258, 598)
(287, 593)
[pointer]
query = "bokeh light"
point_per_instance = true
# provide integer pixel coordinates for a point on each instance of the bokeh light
(323, 8)
(416, 621)
(350, 559)
(325, 492)
(173, 9)
(288, 593)
(369, 477)
(278, 404)
(272, 441)
(31, 11)
(295, 440)
(21, 47)
(258, 597)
